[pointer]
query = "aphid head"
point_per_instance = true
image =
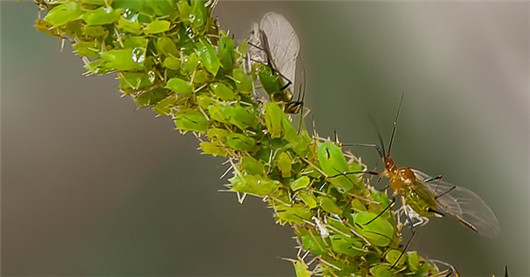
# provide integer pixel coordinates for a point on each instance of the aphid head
(389, 162)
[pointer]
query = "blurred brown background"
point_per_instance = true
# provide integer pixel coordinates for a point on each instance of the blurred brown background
(92, 186)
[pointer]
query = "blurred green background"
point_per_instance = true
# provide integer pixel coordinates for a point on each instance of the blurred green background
(92, 186)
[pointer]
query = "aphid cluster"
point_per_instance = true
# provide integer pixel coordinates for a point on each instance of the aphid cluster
(172, 57)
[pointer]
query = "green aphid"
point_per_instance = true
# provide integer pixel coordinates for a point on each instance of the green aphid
(166, 106)
(135, 42)
(413, 260)
(192, 121)
(129, 59)
(240, 142)
(279, 126)
(48, 28)
(226, 52)
(251, 165)
(167, 46)
(274, 119)
(284, 163)
(300, 269)
(201, 77)
(205, 101)
(314, 243)
(256, 185)
(329, 205)
(172, 63)
(300, 183)
(128, 26)
(179, 86)
(97, 2)
(242, 117)
(218, 134)
(64, 13)
(88, 49)
(382, 270)
(190, 63)
(308, 198)
(151, 96)
(133, 81)
(243, 81)
(184, 10)
(299, 141)
(392, 257)
(213, 148)
(294, 214)
(101, 16)
(160, 7)
(346, 245)
(222, 91)
(209, 58)
(91, 32)
(375, 229)
(333, 163)
(198, 14)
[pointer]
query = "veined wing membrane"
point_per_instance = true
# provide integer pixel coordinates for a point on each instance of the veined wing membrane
(256, 52)
(282, 43)
(463, 205)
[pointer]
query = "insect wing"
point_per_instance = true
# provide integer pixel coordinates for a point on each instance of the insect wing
(282, 43)
(463, 205)
(255, 52)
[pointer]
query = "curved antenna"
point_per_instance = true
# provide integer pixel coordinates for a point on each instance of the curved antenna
(395, 124)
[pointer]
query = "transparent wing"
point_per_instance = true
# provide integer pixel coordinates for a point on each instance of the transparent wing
(255, 52)
(282, 42)
(463, 205)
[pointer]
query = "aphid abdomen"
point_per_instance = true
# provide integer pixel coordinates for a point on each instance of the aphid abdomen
(420, 200)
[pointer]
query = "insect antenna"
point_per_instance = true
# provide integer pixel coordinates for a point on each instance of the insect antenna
(379, 136)
(395, 124)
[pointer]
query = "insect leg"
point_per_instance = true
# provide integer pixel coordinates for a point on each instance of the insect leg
(439, 179)
(412, 230)
(446, 192)
(445, 273)
(383, 211)
(354, 172)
